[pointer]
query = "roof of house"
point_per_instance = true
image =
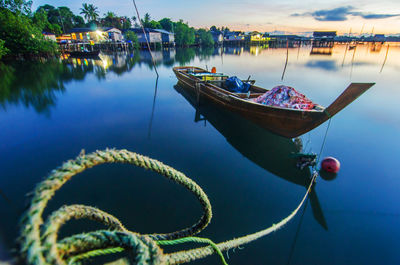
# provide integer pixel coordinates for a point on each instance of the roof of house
(140, 30)
(80, 30)
(108, 28)
(163, 31)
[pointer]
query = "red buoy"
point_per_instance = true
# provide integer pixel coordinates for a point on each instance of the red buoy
(330, 164)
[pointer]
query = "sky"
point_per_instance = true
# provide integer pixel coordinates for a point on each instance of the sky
(283, 16)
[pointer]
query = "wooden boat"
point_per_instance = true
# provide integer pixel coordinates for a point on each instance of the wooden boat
(282, 121)
(84, 54)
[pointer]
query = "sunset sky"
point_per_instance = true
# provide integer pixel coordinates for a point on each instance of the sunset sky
(284, 15)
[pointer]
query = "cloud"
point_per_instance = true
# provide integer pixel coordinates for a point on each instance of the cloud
(378, 16)
(342, 14)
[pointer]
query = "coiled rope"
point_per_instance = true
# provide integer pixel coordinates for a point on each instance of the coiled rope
(45, 249)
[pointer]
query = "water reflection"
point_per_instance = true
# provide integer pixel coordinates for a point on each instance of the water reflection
(37, 84)
(328, 65)
(269, 151)
(33, 85)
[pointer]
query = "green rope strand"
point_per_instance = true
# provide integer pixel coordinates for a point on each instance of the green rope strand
(95, 253)
(196, 240)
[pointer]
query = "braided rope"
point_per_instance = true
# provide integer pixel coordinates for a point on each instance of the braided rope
(44, 249)
(30, 235)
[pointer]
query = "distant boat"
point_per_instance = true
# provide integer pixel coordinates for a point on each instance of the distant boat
(286, 122)
(84, 54)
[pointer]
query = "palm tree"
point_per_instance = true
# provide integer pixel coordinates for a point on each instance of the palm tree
(90, 12)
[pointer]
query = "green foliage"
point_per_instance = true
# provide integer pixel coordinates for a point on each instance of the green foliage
(213, 28)
(154, 25)
(61, 18)
(3, 49)
(22, 36)
(112, 20)
(146, 20)
(17, 6)
(131, 36)
(90, 12)
(184, 35)
(167, 24)
(204, 37)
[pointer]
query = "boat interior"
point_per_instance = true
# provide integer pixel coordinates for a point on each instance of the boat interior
(218, 80)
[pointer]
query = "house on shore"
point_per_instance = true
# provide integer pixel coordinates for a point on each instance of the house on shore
(152, 35)
(113, 34)
(167, 38)
(234, 36)
(87, 35)
(324, 35)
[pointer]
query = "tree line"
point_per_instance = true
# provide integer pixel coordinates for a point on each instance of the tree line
(21, 28)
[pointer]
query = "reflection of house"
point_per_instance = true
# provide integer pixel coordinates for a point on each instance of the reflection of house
(217, 37)
(152, 35)
(321, 50)
(168, 38)
(233, 50)
(146, 57)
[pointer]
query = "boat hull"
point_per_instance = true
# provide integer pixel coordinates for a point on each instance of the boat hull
(285, 122)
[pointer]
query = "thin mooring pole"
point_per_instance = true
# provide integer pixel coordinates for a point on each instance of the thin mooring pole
(145, 36)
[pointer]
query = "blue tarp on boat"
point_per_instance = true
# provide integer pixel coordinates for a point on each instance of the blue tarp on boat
(236, 85)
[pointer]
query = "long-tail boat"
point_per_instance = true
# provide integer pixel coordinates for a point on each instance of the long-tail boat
(286, 122)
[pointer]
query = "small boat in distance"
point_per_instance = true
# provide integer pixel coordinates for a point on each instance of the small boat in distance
(84, 54)
(286, 122)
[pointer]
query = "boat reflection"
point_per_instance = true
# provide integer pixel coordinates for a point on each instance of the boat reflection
(269, 151)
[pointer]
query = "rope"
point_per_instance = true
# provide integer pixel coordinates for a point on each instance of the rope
(323, 142)
(46, 249)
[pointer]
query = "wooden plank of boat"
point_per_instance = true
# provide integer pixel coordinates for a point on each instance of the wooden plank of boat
(282, 121)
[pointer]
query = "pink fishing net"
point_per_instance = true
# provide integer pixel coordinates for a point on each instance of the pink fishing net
(285, 97)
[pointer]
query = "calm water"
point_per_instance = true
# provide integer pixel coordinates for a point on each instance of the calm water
(50, 111)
